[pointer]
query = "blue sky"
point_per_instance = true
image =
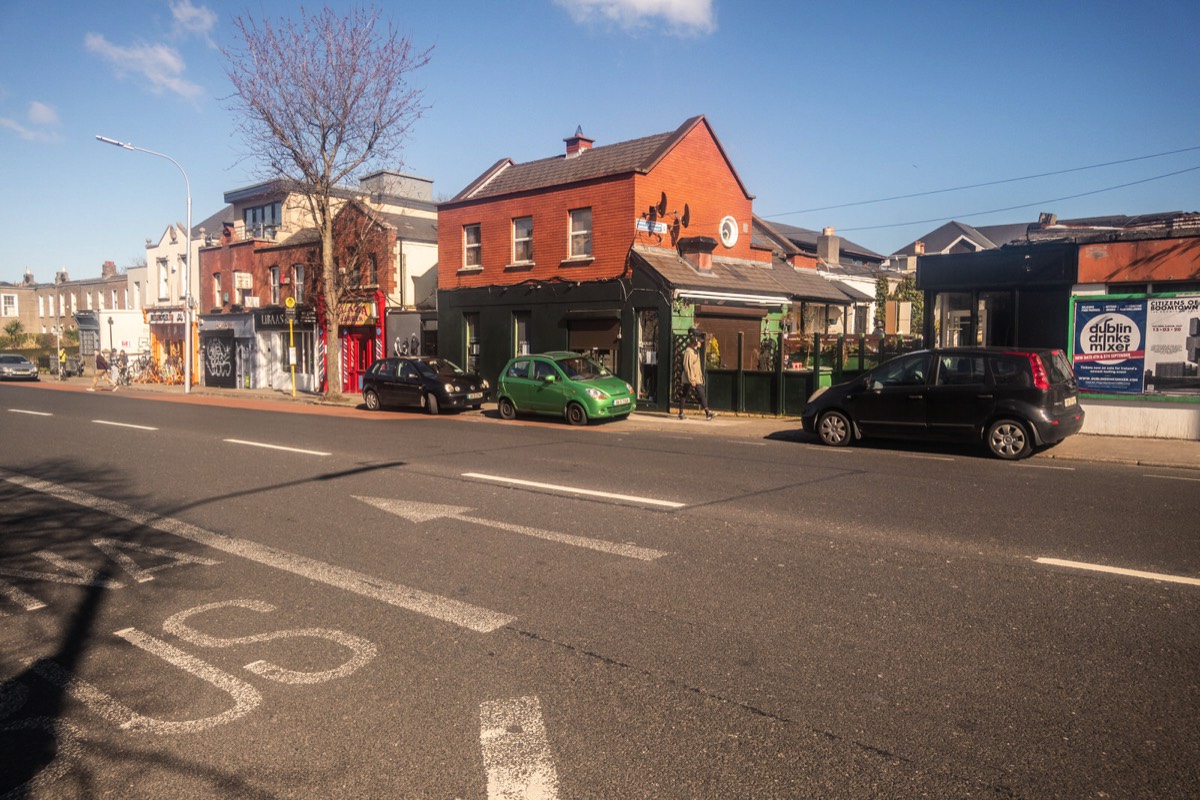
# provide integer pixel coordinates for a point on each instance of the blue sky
(818, 105)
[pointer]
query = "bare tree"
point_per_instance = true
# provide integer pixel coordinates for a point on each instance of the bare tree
(320, 98)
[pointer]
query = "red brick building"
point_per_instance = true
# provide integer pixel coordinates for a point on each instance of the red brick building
(271, 255)
(614, 250)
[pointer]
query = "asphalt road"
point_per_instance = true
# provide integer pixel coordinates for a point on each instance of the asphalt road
(215, 602)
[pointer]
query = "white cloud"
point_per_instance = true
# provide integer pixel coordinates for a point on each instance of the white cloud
(688, 17)
(42, 114)
(162, 66)
(193, 20)
(41, 119)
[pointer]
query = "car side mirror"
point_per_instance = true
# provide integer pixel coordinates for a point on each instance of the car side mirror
(550, 378)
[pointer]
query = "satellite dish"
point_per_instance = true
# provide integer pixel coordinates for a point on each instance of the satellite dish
(662, 205)
(687, 215)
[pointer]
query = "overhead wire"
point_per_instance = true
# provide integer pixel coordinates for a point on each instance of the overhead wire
(994, 183)
(1023, 205)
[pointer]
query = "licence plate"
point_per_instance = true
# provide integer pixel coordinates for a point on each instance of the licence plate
(475, 396)
(621, 401)
(1070, 401)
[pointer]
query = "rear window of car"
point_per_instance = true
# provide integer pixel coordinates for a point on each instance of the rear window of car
(519, 369)
(1010, 371)
(1059, 367)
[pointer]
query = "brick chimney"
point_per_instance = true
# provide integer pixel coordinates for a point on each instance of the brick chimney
(578, 144)
(919, 248)
(698, 250)
(829, 247)
(108, 269)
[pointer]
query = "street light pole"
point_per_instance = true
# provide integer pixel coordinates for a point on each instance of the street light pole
(187, 257)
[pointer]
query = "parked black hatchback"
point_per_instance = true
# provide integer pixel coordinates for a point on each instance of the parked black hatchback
(1012, 399)
(427, 382)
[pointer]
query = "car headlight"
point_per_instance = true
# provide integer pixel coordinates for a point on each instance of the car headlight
(596, 393)
(449, 387)
(484, 384)
(629, 387)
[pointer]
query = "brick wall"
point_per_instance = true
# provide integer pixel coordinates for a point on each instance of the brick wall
(694, 172)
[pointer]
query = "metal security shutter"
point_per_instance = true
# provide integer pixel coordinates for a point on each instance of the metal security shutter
(726, 327)
(598, 338)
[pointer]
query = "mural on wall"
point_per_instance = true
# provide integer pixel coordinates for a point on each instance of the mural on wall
(1138, 344)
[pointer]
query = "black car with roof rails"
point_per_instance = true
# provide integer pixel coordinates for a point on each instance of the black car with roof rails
(1012, 399)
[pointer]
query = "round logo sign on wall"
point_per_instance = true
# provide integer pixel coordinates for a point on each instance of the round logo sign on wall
(728, 231)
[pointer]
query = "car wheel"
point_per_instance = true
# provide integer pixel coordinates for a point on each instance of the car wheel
(506, 408)
(1009, 439)
(431, 404)
(576, 415)
(372, 400)
(835, 429)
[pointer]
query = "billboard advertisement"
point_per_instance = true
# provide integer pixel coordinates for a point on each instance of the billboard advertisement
(1110, 337)
(1138, 344)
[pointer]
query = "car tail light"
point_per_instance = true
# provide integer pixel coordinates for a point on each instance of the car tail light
(1040, 379)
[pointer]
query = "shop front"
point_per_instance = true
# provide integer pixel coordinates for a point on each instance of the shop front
(227, 351)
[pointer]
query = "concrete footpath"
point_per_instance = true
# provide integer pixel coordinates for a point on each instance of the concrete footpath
(1170, 453)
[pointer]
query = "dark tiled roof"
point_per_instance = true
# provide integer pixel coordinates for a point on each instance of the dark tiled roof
(805, 284)
(636, 155)
(736, 276)
(412, 228)
(740, 276)
(215, 223)
(807, 239)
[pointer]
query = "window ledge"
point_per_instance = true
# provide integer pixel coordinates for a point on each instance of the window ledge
(577, 261)
(521, 266)
(469, 270)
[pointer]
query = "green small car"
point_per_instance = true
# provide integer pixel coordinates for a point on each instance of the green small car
(562, 384)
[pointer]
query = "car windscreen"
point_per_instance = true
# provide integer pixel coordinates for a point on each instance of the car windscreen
(13, 360)
(435, 367)
(579, 368)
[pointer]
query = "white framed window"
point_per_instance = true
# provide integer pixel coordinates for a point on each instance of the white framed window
(217, 299)
(472, 246)
(262, 221)
(164, 279)
(274, 286)
(8, 305)
(522, 239)
(581, 233)
(298, 282)
(112, 298)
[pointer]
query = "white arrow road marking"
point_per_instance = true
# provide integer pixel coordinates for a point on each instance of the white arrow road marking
(278, 447)
(1129, 573)
(516, 751)
(629, 498)
(424, 512)
(444, 608)
(124, 425)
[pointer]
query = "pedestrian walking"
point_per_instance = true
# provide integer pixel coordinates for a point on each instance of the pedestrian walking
(102, 368)
(693, 378)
